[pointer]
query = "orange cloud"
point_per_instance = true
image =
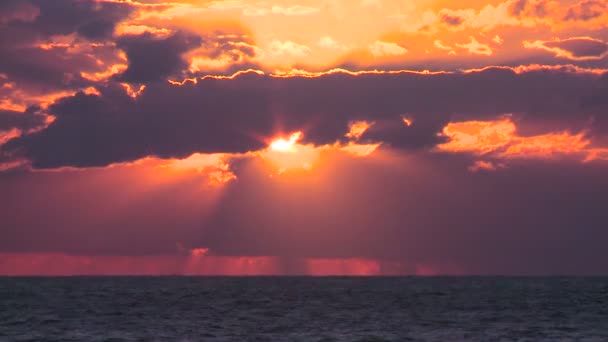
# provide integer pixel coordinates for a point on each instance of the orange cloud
(288, 47)
(478, 136)
(214, 166)
(137, 29)
(407, 121)
(441, 46)
(359, 150)
(112, 70)
(382, 49)
(547, 145)
(476, 48)
(498, 139)
(132, 92)
(357, 128)
(8, 135)
(328, 42)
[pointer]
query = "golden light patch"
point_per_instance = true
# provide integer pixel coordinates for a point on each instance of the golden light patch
(477, 136)
(357, 129)
(132, 92)
(214, 166)
(132, 29)
(544, 146)
(359, 150)
(285, 153)
(8, 104)
(499, 140)
(597, 154)
(112, 70)
(286, 145)
(92, 91)
(5, 136)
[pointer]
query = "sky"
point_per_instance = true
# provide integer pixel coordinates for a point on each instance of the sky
(314, 137)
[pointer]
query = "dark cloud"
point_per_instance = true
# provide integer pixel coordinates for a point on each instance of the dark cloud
(581, 47)
(586, 10)
(540, 9)
(17, 11)
(533, 9)
(518, 7)
(31, 119)
(452, 20)
(92, 20)
(153, 59)
(40, 71)
(28, 24)
(236, 115)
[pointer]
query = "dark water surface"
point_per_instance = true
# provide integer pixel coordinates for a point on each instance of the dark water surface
(303, 309)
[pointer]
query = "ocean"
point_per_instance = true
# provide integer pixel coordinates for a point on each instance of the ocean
(303, 309)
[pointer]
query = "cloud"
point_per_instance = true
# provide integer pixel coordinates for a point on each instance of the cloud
(224, 54)
(499, 139)
(91, 20)
(371, 3)
(130, 131)
(451, 20)
(29, 120)
(383, 49)
(441, 46)
(328, 42)
(134, 29)
(524, 14)
(498, 40)
(48, 47)
(575, 48)
(18, 11)
(296, 10)
(487, 18)
(476, 48)
(586, 10)
(154, 59)
(260, 9)
(278, 47)
(234, 114)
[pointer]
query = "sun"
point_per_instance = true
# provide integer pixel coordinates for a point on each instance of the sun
(286, 145)
(287, 153)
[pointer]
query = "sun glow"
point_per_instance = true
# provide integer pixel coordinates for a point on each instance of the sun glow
(286, 153)
(286, 145)
(215, 166)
